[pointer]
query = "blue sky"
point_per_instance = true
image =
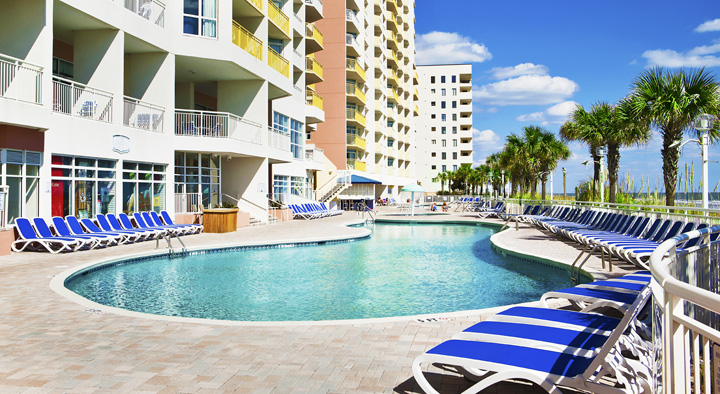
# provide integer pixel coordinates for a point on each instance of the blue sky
(534, 60)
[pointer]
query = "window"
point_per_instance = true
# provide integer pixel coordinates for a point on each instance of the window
(144, 186)
(454, 142)
(442, 104)
(443, 156)
(443, 117)
(432, 79)
(454, 117)
(454, 155)
(433, 142)
(442, 92)
(390, 104)
(280, 186)
(276, 44)
(442, 79)
(198, 173)
(454, 167)
(298, 186)
(390, 161)
(433, 154)
(454, 104)
(433, 167)
(454, 91)
(454, 130)
(351, 154)
(62, 68)
(200, 18)
(432, 116)
(444, 168)
(432, 91)
(84, 186)
(390, 123)
(20, 170)
(296, 142)
(390, 142)
(433, 128)
(432, 103)
(443, 130)
(454, 78)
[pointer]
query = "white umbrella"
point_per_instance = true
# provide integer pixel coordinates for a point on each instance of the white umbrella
(412, 188)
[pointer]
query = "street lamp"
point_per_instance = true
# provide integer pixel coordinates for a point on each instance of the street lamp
(502, 172)
(564, 171)
(704, 123)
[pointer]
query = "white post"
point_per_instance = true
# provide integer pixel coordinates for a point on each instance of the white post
(602, 180)
(412, 203)
(551, 186)
(704, 144)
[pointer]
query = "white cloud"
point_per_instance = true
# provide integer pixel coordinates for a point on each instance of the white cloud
(526, 90)
(485, 137)
(449, 48)
(713, 25)
(557, 114)
(520, 69)
(489, 110)
(702, 56)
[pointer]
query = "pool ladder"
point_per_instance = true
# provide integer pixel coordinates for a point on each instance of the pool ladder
(366, 209)
(167, 239)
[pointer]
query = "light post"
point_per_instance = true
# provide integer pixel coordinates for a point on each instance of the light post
(551, 185)
(602, 152)
(564, 171)
(502, 172)
(703, 124)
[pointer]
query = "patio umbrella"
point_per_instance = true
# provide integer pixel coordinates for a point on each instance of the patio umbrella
(412, 188)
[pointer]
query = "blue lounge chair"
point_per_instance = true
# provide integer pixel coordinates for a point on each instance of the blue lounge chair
(30, 240)
(152, 218)
(91, 227)
(135, 235)
(140, 223)
(62, 229)
(122, 222)
(615, 293)
(174, 229)
(43, 229)
(79, 229)
(168, 220)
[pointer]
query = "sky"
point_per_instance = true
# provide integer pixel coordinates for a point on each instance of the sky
(534, 61)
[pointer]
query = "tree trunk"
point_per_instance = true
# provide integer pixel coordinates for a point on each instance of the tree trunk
(543, 180)
(596, 172)
(671, 157)
(533, 191)
(613, 168)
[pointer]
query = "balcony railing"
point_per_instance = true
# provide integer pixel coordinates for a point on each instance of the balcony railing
(142, 115)
(313, 33)
(353, 139)
(353, 65)
(278, 139)
(152, 10)
(216, 125)
(75, 99)
(20, 80)
(257, 3)
(351, 16)
(353, 114)
(312, 65)
(355, 90)
(355, 164)
(351, 40)
(247, 41)
(279, 18)
(315, 3)
(279, 63)
(313, 98)
(316, 155)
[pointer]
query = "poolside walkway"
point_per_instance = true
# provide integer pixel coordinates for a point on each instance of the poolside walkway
(51, 344)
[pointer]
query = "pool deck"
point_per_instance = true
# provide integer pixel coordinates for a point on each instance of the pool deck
(49, 343)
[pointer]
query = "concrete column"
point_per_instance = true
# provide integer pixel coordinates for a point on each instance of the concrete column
(185, 95)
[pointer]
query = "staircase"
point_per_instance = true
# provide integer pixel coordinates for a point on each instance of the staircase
(254, 222)
(334, 192)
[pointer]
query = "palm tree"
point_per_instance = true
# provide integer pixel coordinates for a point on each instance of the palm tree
(582, 127)
(442, 177)
(461, 176)
(450, 176)
(670, 101)
(544, 152)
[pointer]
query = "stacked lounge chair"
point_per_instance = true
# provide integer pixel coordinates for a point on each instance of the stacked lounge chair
(313, 210)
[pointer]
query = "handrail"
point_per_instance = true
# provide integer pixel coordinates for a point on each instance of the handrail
(624, 206)
(278, 17)
(82, 85)
(247, 41)
(19, 61)
(311, 64)
(313, 32)
(278, 62)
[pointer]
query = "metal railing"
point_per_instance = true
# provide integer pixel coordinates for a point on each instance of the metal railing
(355, 164)
(313, 98)
(354, 65)
(353, 114)
(142, 115)
(315, 3)
(350, 16)
(279, 18)
(355, 140)
(686, 314)
(279, 63)
(355, 90)
(216, 125)
(351, 40)
(20, 80)
(188, 203)
(76, 99)
(257, 3)
(316, 155)
(247, 41)
(278, 139)
(152, 10)
(312, 65)
(312, 32)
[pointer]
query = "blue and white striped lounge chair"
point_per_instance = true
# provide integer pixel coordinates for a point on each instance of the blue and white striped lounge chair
(105, 225)
(43, 229)
(168, 220)
(62, 229)
(30, 240)
(549, 366)
(122, 222)
(175, 229)
(615, 293)
(496, 211)
(79, 229)
(140, 222)
(91, 227)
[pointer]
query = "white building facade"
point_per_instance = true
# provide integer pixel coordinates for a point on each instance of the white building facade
(121, 106)
(444, 123)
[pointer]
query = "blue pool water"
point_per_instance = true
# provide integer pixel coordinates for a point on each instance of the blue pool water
(402, 269)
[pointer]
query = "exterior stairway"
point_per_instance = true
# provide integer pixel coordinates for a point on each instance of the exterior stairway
(334, 192)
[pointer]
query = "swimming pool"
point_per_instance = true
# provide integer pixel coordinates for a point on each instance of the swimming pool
(401, 270)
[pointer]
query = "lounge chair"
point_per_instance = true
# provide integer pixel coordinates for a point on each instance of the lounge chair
(91, 227)
(62, 229)
(140, 223)
(150, 222)
(30, 240)
(498, 361)
(168, 221)
(615, 293)
(105, 225)
(122, 222)
(496, 211)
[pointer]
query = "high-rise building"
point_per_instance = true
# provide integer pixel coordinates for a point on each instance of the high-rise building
(444, 126)
(368, 93)
(116, 106)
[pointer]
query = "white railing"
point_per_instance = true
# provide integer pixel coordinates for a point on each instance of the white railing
(278, 139)
(188, 203)
(315, 3)
(351, 40)
(142, 115)
(76, 99)
(152, 10)
(316, 155)
(686, 314)
(20, 80)
(351, 16)
(216, 125)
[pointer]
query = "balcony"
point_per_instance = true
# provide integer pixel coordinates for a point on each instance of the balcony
(353, 141)
(352, 44)
(393, 96)
(392, 77)
(209, 124)
(258, 4)
(312, 98)
(354, 24)
(355, 93)
(20, 80)
(354, 70)
(394, 59)
(247, 41)
(355, 164)
(279, 63)
(142, 115)
(82, 101)
(313, 69)
(279, 19)
(152, 10)
(392, 6)
(416, 110)
(313, 10)
(278, 139)
(315, 155)
(392, 23)
(313, 39)
(354, 116)
(392, 41)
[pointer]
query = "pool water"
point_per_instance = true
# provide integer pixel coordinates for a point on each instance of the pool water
(402, 269)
